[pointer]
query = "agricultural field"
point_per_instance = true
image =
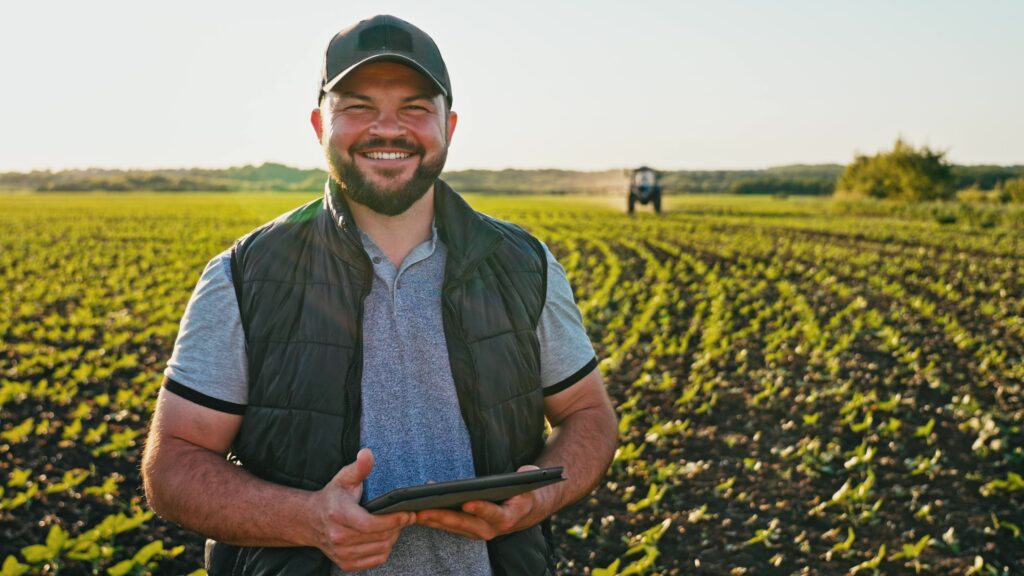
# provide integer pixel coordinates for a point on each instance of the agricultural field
(804, 386)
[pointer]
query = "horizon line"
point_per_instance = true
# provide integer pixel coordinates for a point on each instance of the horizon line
(446, 170)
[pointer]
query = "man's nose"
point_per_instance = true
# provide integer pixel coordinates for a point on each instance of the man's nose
(387, 125)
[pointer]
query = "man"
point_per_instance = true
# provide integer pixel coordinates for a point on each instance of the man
(384, 336)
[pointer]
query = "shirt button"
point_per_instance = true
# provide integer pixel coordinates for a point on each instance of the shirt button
(376, 259)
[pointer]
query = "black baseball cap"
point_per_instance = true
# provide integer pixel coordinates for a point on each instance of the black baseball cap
(383, 37)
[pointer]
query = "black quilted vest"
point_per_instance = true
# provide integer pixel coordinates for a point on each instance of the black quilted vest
(301, 280)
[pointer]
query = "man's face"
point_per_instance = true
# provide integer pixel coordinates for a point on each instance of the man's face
(385, 131)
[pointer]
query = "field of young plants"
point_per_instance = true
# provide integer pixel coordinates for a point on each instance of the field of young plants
(804, 386)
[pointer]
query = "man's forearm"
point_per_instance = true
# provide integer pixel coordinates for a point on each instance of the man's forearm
(203, 492)
(584, 443)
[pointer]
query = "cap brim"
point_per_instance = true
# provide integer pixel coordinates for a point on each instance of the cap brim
(386, 56)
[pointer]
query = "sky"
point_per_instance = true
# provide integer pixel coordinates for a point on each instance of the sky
(585, 85)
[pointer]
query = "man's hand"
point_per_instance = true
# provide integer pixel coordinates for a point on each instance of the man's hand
(481, 520)
(350, 536)
(187, 480)
(582, 441)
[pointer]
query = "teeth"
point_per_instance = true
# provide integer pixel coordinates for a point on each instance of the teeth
(387, 155)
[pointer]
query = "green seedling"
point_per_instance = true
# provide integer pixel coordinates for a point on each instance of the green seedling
(999, 524)
(653, 498)
(630, 404)
(861, 455)
(106, 490)
(726, 485)
(664, 472)
(119, 442)
(1013, 483)
(863, 425)
(764, 535)
(19, 433)
(71, 479)
(649, 537)
(610, 570)
(144, 559)
(643, 564)
(12, 567)
(871, 564)
(665, 429)
(949, 538)
(94, 435)
(628, 453)
(626, 420)
(42, 428)
(73, 430)
(698, 514)
(891, 428)
(581, 532)
(21, 498)
(869, 514)
(922, 465)
(912, 553)
(842, 547)
(19, 477)
(925, 430)
(37, 554)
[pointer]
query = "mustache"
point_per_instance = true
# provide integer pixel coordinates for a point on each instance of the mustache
(395, 144)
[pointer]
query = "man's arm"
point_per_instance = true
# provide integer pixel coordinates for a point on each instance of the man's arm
(583, 438)
(188, 480)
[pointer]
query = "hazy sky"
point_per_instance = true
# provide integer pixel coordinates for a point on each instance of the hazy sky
(584, 85)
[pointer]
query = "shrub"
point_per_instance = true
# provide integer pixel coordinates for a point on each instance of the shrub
(904, 173)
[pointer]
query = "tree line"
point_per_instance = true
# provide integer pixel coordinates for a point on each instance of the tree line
(905, 173)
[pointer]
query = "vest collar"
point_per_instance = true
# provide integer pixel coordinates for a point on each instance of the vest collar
(338, 228)
(468, 236)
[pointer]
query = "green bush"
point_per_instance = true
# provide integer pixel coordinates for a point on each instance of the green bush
(1013, 190)
(904, 173)
(976, 195)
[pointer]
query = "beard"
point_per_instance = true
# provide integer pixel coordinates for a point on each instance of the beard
(393, 199)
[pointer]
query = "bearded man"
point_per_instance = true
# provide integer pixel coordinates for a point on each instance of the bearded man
(385, 335)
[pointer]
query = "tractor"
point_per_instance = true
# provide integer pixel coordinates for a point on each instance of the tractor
(644, 188)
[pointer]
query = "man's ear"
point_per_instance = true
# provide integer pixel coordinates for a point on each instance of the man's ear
(453, 119)
(318, 126)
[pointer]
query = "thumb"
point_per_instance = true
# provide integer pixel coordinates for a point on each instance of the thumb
(351, 477)
(527, 468)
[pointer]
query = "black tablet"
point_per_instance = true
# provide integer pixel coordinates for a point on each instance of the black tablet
(452, 495)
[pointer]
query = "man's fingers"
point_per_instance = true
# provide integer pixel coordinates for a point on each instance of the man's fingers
(358, 564)
(364, 549)
(459, 522)
(489, 512)
(352, 537)
(450, 528)
(351, 477)
(355, 551)
(366, 523)
(507, 513)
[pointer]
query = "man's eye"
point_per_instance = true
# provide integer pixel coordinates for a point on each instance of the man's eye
(415, 108)
(356, 107)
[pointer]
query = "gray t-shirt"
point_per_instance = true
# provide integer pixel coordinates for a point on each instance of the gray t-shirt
(410, 414)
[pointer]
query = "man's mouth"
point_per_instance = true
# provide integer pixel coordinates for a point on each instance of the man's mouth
(386, 155)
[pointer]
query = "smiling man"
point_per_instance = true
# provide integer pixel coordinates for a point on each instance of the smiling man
(385, 335)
